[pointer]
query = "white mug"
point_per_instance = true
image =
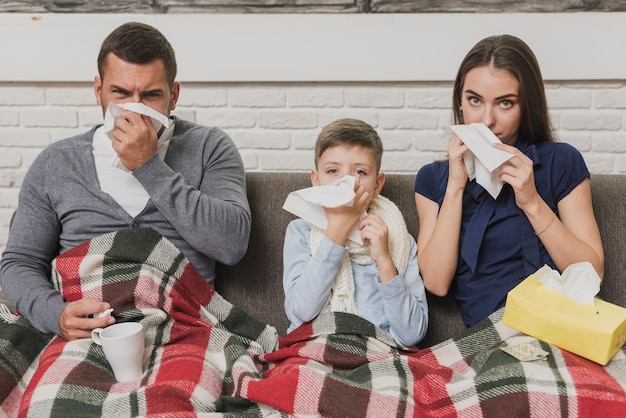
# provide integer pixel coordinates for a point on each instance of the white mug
(123, 346)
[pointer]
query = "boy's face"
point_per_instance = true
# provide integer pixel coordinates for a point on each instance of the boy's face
(337, 162)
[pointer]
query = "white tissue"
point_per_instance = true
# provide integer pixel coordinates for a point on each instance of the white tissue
(579, 281)
(483, 160)
(309, 203)
(113, 113)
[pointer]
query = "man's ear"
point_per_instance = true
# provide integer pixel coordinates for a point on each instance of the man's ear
(97, 89)
(175, 94)
(314, 178)
(380, 182)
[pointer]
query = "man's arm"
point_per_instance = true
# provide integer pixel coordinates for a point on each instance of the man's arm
(214, 218)
(33, 243)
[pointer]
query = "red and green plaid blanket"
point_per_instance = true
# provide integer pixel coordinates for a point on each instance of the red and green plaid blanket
(206, 357)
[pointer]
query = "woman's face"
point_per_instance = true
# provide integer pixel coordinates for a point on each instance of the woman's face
(491, 96)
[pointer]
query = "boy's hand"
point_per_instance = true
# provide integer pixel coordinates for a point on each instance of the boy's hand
(342, 219)
(375, 235)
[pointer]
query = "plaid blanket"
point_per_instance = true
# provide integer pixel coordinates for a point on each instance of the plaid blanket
(206, 357)
(193, 338)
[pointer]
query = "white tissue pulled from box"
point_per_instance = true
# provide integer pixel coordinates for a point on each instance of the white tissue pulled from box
(483, 160)
(113, 113)
(579, 282)
(309, 203)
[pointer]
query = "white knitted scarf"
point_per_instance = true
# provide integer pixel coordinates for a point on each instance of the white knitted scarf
(341, 297)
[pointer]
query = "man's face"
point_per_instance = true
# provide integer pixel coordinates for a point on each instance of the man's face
(124, 82)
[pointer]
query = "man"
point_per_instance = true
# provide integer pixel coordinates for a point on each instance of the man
(185, 181)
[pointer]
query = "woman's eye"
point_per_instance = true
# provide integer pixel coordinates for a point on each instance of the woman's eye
(507, 103)
(474, 100)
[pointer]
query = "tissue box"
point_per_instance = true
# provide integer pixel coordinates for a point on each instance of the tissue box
(595, 333)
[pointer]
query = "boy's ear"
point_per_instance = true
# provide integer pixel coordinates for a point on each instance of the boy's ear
(380, 182)
(314, 178)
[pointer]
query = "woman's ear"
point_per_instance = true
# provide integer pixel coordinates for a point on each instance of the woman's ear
(380, 182)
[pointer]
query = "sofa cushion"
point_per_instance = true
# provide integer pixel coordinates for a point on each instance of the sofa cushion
(255, 284)
(609, 205)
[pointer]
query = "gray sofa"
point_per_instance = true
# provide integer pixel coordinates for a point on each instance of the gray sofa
(255, 284)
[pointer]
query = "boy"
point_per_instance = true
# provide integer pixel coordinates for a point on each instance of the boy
(323, 270)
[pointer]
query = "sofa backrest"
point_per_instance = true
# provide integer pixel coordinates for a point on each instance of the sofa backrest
(609, 205)
(255, 284)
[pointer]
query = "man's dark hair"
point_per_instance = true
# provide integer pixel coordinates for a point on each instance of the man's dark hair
(140, 44)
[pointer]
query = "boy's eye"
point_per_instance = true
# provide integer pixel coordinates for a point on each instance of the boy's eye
(360, 172)
(331, 170)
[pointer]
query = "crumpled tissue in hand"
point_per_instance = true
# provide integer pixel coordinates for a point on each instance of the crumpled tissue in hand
(113, 113)
(309, 203)
(482, 161)
(579, 281)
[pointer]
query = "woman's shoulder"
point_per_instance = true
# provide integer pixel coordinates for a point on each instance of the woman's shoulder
(561, 154)
(431, 179)
(562, 168)
(552, 148)
(434, 169)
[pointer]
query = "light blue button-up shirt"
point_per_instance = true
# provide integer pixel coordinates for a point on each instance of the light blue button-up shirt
(398, 307)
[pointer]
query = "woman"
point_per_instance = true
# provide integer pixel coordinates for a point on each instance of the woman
(483, 247)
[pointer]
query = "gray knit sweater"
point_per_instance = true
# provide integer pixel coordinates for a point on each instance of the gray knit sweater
(197, 200)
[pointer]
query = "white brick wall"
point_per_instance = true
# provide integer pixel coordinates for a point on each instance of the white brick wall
(275, 124)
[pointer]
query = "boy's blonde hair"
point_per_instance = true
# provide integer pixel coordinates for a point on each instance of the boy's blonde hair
(349, 132)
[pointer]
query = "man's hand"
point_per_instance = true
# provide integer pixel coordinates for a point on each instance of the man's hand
(135, 140)
(75, 322)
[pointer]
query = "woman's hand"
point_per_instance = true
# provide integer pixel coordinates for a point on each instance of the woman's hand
(457, 178)
(519, 173)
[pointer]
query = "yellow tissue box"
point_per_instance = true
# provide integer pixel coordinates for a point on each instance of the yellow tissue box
(595, 333)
